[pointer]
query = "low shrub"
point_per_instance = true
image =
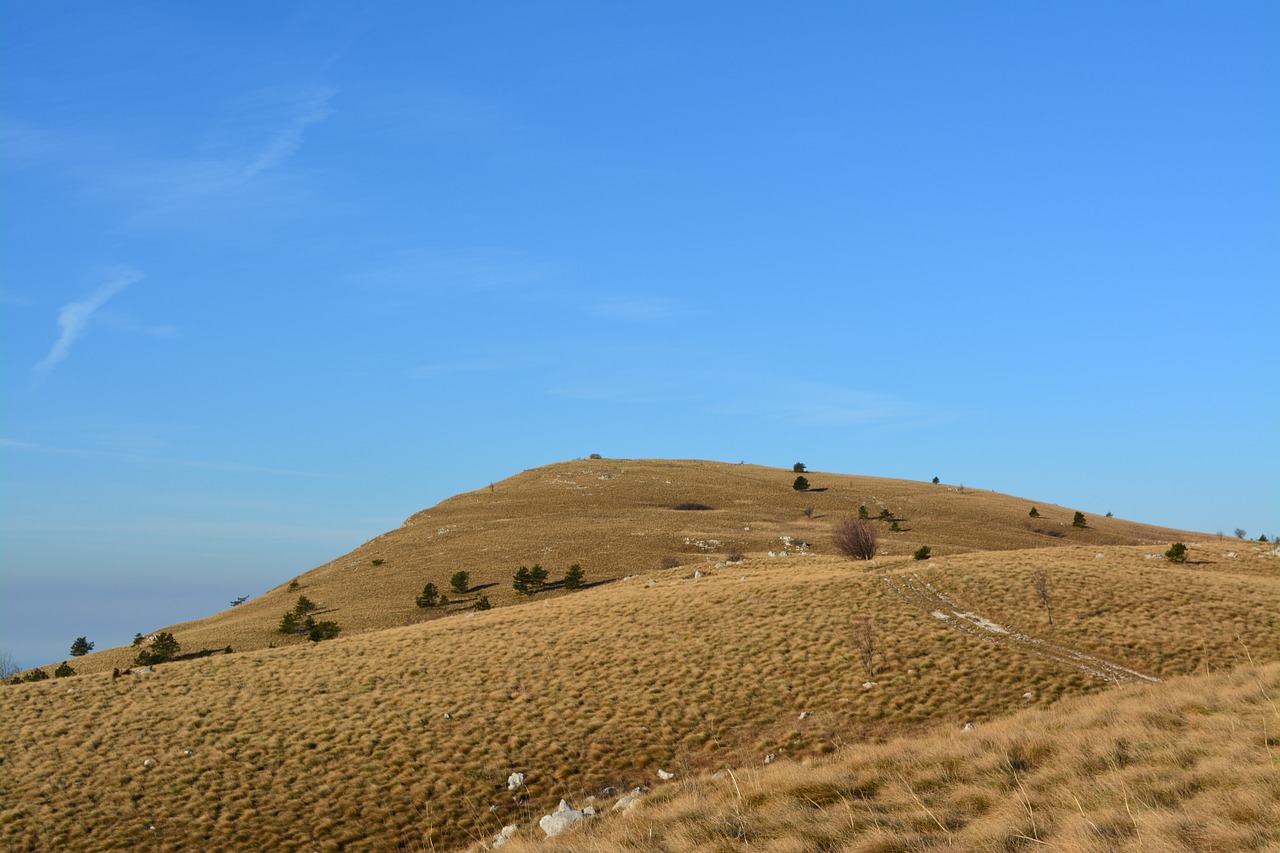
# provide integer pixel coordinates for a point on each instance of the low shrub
(690, 505)
(323, 631)
(855, 538)
(1177, 553)
(922, 553)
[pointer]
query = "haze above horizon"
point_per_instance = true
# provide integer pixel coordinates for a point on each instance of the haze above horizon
(274, 277)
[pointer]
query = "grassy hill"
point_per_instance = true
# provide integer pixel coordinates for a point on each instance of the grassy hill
(404, 737)
(617, 518)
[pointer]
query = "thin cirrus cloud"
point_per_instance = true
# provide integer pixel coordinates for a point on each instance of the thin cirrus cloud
(74, 318)
(246, 148)
(286, 141)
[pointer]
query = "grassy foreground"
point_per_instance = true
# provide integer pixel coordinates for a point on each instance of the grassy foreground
(1186, 766)
(404, 738)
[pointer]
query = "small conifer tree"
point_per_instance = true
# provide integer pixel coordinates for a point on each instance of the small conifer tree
(1177, 553)
(323, 631)
(520, 583)
(81, 647)
(573, 577)
(482, 603)
(430, 596)
(1035, 513)
(36, 675)
(798, 468)
(164, 647)
(801, 484)
(63, 671)
(862, 512)
(460, 583)
(288, 623)
(537, 578)
(922, 553)
(1079, 520)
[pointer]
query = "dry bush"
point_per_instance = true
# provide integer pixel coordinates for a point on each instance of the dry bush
(855, 538)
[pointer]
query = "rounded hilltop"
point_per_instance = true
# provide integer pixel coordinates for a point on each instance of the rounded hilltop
(619, 517)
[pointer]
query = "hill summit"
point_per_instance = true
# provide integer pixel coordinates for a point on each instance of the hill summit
(620, 517)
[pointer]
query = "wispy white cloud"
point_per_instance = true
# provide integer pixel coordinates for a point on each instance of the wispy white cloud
(74, 318)
(818, 404)
(286, 141)
(639, 308)
(476, 365)
(14, 446)
(480, 268)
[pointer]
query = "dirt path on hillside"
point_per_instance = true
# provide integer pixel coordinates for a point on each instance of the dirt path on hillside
(919, 593)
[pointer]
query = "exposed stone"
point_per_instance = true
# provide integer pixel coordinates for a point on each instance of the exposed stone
(627, 802)
(503, 837)
(561, 819)
(515, 780)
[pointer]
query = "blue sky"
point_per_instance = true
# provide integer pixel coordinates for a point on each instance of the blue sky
(274, 276)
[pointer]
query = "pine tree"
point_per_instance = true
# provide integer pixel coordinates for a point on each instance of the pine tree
(573, 577)
(537, 578)
(520, 583)
(460, 583)
(801, 484)
(430, 596)
(81, 647)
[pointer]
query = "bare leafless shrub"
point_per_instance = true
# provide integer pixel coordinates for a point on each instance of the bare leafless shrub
(1040, 580)
(8, 666)
(670, 563)
(855, 538)
(808, 512)
(734, 557)
(864, 640)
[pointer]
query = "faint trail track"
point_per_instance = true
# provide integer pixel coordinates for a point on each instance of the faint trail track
(918, 592)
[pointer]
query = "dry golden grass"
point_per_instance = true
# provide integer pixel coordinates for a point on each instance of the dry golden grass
(404, 738)
(616, 518)
(1186, 766)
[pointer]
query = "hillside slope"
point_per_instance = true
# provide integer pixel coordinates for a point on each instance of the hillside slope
(1170, 768)
(404, 738)
(617, 518)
